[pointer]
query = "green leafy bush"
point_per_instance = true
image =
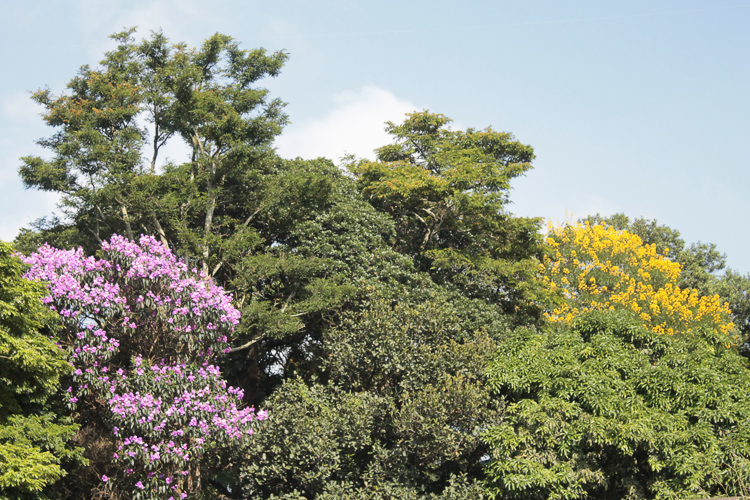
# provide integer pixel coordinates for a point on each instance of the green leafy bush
(606, 408)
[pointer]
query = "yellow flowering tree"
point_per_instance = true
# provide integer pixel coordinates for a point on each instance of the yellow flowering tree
(598, 268)
(627, 392)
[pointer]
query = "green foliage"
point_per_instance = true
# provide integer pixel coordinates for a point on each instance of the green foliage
(317, 434)
(204, 96)
(306, 267)
(459, 488)
(401, 414)
(425, 353)
(735, 289)
(607, 408)
(34, 440)
(447, 191)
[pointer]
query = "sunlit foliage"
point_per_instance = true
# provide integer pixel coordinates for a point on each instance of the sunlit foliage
(598, 268)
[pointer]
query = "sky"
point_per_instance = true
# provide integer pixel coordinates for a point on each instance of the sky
(640, 107)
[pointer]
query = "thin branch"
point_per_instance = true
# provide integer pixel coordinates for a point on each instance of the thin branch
(247, 345)
(286, 302)
(251, 217)
(95, 235)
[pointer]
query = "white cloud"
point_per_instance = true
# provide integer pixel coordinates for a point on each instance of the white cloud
(355, 126)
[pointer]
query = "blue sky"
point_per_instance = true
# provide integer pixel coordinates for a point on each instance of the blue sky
(639, 107)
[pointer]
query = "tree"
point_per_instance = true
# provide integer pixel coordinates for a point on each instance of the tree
(701, 265)
(601, 268)
(608, 408)
(396, 411)
(447, 191)
(143, 332)
(205, 96)
(35, 439)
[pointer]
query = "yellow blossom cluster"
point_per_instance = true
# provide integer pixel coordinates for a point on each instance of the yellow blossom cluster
(600, 268)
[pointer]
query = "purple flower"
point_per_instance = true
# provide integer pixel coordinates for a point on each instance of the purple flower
(85, 289)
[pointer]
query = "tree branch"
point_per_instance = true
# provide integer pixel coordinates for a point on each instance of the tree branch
(159, 229)
(247, 345)
(251, 217)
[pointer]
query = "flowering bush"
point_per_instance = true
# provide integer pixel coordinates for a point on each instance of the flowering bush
(143, 332)
(599, 268)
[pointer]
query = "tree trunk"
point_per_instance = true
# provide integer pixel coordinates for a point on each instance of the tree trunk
(126, 218)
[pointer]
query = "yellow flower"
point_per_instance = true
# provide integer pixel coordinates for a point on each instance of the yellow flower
(600, 268)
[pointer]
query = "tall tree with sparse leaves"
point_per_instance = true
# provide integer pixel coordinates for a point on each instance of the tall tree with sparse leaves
(205, 96)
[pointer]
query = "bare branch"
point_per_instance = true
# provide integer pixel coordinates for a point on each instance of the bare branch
(247, 345)
(251, 217)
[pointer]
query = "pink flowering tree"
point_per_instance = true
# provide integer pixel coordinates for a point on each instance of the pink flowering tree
(143, 332)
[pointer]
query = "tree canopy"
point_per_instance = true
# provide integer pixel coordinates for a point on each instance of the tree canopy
(608, 408)
(407, 334)
(204, 96)
(447, 193)
(703, 266)
(601, 268)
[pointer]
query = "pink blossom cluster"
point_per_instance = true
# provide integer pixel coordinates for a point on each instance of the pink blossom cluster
(119, 314)
(150, 259)
(142, 284)
(66, 271)
(195, 409)
(188, 390)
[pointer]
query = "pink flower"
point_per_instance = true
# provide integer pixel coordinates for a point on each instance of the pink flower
(135, 284)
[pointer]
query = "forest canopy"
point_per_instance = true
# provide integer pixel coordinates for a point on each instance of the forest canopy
(242, 325)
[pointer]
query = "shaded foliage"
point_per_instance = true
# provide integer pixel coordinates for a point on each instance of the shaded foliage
(403, 408)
